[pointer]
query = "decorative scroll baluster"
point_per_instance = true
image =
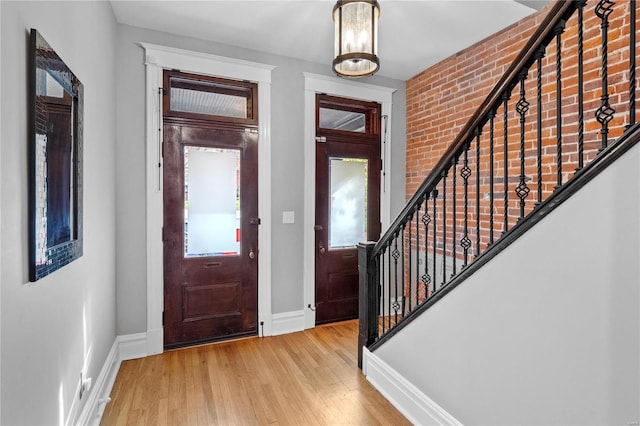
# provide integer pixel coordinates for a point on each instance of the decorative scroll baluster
(632, 64)
(581, 84)
(492, 115)
(396, 255)
(404, 287)
(382, 288)
(389, 283)
(402, 254)
(558, 33)
(444, 227)
(505, 104)
(454, 165)
(465, 243)
(604, 114)
(478, 133)
(417, 215)
(522, 190)
(539, 56)
(435, 196)
(426, 278)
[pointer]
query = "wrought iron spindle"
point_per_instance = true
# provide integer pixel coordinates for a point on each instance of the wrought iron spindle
(396, 255)
(558, 33)
(478, 133)
(539, 55)
(417, 215)
(492, 115)
(505, 105)
(402, 254)
(435, 196)
(409, 269)
(522, 190)
(389, 284)
(426, 278)
(581, 84)
(632, 64)
(454, 166)
(465, 243)
(604, 114)
(444, 227)
(382, 287)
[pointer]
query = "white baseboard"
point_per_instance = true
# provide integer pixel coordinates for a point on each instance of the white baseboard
(99, 394)
(418, 408)
(132, 346)
(287, 322)
(125, 347)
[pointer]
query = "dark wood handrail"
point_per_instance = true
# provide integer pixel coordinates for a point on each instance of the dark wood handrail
(561, 10)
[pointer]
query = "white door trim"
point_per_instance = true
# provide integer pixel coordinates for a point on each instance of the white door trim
(158, 58)
(316, 83)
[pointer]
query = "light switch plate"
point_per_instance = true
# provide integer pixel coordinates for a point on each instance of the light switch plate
(288, 217)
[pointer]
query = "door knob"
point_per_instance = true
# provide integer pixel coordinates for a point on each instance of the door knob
(322, 249)
(252, 254)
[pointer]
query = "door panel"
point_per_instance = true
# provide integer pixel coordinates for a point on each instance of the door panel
(210, 243)
(347, 212)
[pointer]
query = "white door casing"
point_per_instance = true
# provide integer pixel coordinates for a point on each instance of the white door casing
(158, 58)
(313, 84)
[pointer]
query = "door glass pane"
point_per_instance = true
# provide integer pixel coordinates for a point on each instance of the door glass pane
(338, 119)
(348, 201)
(208, 98)
(211, 201)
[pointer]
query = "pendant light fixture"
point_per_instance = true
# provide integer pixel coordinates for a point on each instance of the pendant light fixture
(356, 37)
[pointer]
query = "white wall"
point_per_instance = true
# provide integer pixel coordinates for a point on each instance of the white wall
(548, 332)
(287, 179)
(64, 323)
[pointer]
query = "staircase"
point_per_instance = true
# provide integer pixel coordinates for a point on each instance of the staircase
(551, 130)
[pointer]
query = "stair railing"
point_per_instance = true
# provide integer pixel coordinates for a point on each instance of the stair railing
(563, 111)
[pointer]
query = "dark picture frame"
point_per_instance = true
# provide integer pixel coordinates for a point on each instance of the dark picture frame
(55, 161)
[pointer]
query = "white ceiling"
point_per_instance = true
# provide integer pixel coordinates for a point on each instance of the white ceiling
(414, 34)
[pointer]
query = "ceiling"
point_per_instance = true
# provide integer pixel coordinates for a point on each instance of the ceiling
(414, 34)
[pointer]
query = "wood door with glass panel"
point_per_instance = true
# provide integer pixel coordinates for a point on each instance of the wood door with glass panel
(210, 235)
(348, 167)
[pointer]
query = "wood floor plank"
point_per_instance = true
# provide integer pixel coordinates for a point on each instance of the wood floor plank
(305, 378)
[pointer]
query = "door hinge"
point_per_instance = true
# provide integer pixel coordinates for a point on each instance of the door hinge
(381, 164)
(162, 317)
(322, 139)
(163, 234)
(255, 221)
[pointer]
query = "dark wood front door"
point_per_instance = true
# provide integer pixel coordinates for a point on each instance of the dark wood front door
(347, 200)
(210, 225)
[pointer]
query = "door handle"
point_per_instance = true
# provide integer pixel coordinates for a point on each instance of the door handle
(321, 247)
(252, 254)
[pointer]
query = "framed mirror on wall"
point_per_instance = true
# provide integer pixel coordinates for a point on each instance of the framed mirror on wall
(55, 161)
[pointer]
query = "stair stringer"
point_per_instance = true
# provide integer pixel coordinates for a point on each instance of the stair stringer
(548, 331)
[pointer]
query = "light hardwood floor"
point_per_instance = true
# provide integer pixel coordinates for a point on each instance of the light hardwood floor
(305, 378)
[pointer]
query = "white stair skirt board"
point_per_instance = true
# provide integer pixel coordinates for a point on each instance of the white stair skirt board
(418, 408)
(287, 322)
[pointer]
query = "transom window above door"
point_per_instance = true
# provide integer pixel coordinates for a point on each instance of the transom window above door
(202, 97)
(347, 116)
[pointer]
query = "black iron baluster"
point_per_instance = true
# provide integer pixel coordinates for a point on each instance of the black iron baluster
(382, 288)
(492, 115)
(396, 255)
(389, 284)
(454, 166)
(444, 227)
(478, 133)
(558, 33)
(604, 114)
(632, 64)
(402, 254)
(435, 247)
(581, 5)
(418, 252)
(505, 102)
(522, 190)
(465, 243)
(539, 55)
(426, 278)
(409, 269)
